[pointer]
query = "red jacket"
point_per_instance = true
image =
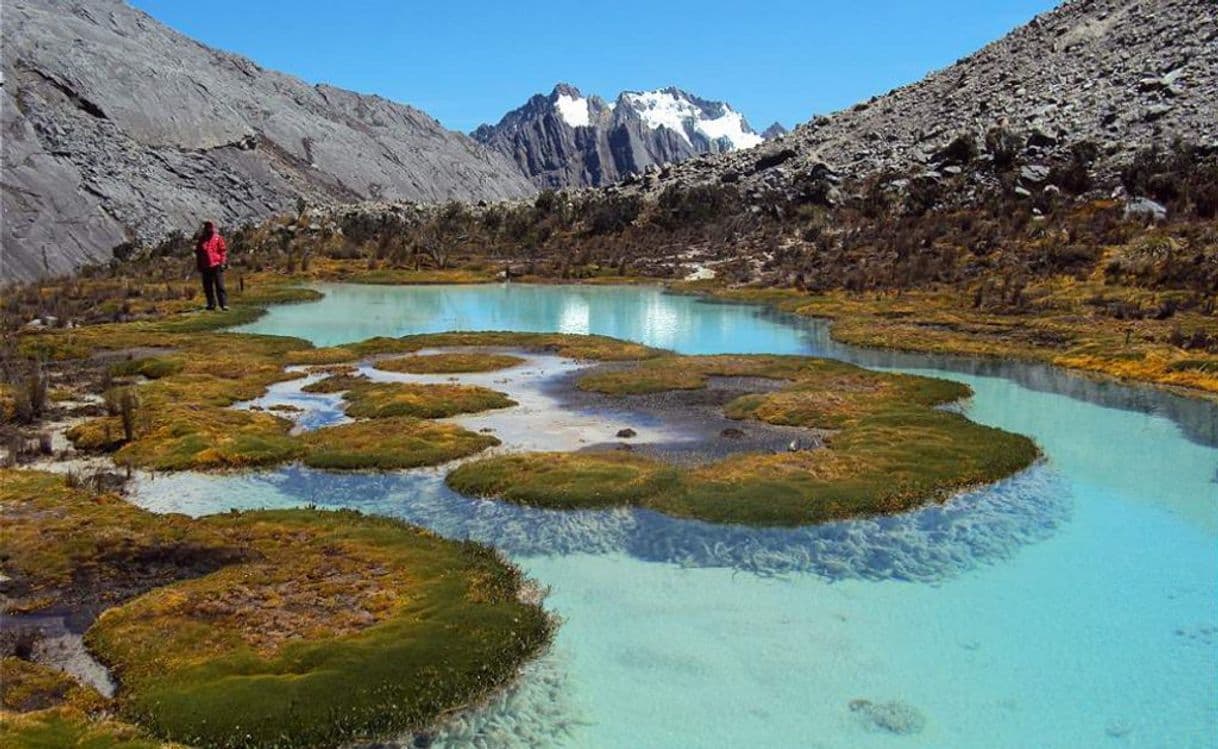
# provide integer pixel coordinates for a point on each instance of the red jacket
(211, 252)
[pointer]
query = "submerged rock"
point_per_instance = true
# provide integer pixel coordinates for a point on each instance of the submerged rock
(626, 433)
(894, 717)
(1117, 729)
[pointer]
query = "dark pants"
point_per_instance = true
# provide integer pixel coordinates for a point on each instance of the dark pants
(213, 287)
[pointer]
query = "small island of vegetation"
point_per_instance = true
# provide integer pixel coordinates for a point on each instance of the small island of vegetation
(887, 448)
(279, 628)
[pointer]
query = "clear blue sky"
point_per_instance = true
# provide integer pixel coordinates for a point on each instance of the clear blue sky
(468, 61)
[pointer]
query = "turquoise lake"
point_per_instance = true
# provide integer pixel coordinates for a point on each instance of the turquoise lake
(1073, 605)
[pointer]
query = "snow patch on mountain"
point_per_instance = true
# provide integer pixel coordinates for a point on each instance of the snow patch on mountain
(664, 108)
(574, 110)
(731, 126)
(661, 109)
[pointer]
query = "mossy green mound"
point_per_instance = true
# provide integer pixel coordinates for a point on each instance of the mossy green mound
(316, 629)
(337, 383)
(70, 728)
(887, 449)
(592, 347)
(217, 438)
(567, 481)
(27, 687)
(41, 708)
(62, 544)
(570, 345)
(346, 627)
(369, 399)
(380, 400)
(182, 438)
(1061, 325)
(349, 352)
(392, 443)
(450, 363)
(180, 417)
(181, 420)
(820, 392)
(152, 367)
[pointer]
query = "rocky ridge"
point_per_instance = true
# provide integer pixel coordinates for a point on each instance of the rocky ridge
(567, 139)
(117, 128)
(1120, 75)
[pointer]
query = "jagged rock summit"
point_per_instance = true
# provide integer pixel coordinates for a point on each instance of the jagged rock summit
(117, 127)
(568, 139)
(775, 130)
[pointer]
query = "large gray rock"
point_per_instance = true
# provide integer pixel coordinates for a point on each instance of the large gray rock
(567, 139)
(1145, 209)
(117, 127)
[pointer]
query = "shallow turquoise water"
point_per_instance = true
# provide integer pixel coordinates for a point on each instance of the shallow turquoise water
(1075, 605)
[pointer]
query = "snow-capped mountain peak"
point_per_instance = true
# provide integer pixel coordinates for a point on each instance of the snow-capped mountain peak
(568, 139)
(685, 115)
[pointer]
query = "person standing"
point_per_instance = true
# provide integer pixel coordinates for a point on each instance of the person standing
(211, 257)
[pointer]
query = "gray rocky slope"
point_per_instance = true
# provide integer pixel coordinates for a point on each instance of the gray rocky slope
(116, 127)
(567, 139)
(1121, 74)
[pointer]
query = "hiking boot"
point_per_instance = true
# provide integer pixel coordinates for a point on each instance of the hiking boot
(224, 309)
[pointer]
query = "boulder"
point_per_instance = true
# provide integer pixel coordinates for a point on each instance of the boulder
(1034, 173)
(1145, 209)
(774, 158)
